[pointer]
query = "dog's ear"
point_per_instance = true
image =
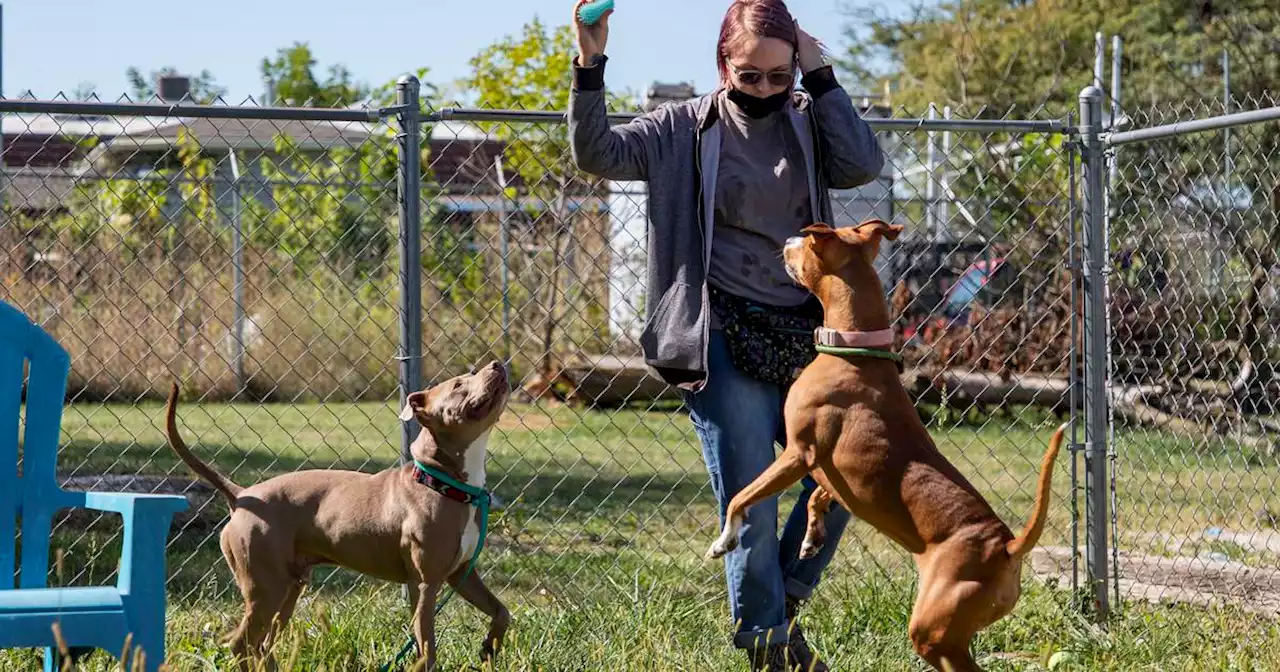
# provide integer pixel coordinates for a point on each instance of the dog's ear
(886, 230)
(868, 231)
(818, 229)
(414, 404)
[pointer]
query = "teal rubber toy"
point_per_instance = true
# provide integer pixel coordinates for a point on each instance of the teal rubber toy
(591, 12)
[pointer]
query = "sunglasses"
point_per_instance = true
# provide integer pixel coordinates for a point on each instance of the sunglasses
(754, 77)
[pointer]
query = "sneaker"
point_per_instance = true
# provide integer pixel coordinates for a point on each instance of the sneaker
(771, 658)
(797, 646)
(801, 655)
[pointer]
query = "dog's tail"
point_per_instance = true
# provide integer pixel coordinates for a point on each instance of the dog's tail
(1023, 543)
(229, 490)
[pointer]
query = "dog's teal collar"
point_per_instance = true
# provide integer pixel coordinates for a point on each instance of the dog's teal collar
(856, 344)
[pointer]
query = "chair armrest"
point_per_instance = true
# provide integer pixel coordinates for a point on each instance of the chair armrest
(141, 575)
(125, 503)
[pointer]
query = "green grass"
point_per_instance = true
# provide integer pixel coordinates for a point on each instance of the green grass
(858, 621)
(598, 552)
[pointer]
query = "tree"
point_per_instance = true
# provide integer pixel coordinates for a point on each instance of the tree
(204, 89)
(992, 58)
(330, 208)
(294, 82)
(988, 57)
(531, 71)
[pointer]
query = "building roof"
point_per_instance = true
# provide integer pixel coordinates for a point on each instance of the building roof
(45, 155)
(45, 159)
(81, 126)
(220, 135)
(458, 130)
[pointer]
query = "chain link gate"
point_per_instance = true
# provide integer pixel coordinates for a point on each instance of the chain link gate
(258, 255)
(1195, 229)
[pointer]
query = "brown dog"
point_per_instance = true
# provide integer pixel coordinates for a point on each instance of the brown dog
(850, 423)
(388, 525)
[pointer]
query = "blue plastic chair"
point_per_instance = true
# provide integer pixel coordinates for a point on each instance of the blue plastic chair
(89, 617)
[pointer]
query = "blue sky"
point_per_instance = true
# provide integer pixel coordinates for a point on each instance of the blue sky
(57, 45)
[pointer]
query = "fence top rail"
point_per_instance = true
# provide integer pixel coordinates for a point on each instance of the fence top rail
(1167, 131)
(253, 112)
(190, 110)
(549, 116)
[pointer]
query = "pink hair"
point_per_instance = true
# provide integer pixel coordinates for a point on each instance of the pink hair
(761, 18)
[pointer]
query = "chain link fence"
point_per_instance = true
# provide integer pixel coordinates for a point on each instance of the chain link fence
(983, 302)
(1195, 229)
(253, 255)
(247, 257)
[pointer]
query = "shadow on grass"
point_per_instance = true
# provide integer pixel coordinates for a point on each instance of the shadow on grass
(243, 464)
(571, 521)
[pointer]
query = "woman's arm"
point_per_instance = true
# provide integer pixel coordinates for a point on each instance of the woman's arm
(613, 152)
(851, 153)
(616, 153)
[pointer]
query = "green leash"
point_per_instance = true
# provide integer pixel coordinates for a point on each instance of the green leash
(478, 497)
(860, 352)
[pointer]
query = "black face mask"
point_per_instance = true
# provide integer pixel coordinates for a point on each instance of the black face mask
(757, 107)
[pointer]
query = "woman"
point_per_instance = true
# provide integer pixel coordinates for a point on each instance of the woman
(731, 176)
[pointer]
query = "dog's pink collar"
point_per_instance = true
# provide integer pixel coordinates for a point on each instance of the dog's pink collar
(881, 338)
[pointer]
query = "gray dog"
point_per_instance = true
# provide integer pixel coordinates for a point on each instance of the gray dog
(399, 525)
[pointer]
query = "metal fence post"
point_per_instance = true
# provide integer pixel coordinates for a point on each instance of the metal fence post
(932, 221)
(504, 244)
(1095, 347)
(409, 184)
(237, 270)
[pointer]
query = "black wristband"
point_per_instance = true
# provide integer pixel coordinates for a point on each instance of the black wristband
(591, 77)
(820, 81)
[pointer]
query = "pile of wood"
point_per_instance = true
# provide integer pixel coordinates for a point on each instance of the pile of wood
(1009, 338)
(1168, 377)
(1163, 378)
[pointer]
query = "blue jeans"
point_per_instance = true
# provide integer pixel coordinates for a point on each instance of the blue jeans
(738, 419)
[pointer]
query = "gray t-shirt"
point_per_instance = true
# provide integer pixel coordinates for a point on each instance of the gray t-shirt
(762, 198)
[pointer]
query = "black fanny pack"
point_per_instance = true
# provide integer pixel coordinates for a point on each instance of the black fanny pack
(769, 343)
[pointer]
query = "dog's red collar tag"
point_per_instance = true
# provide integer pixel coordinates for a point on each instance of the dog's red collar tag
(441, 487)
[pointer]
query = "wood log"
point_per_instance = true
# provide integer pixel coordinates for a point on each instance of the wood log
(977, 387)
(611, 381)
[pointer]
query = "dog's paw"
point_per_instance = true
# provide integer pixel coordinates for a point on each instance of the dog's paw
(721, 547)
(809, 550)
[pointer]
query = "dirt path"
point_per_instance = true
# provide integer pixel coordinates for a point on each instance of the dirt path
(1199, 581)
